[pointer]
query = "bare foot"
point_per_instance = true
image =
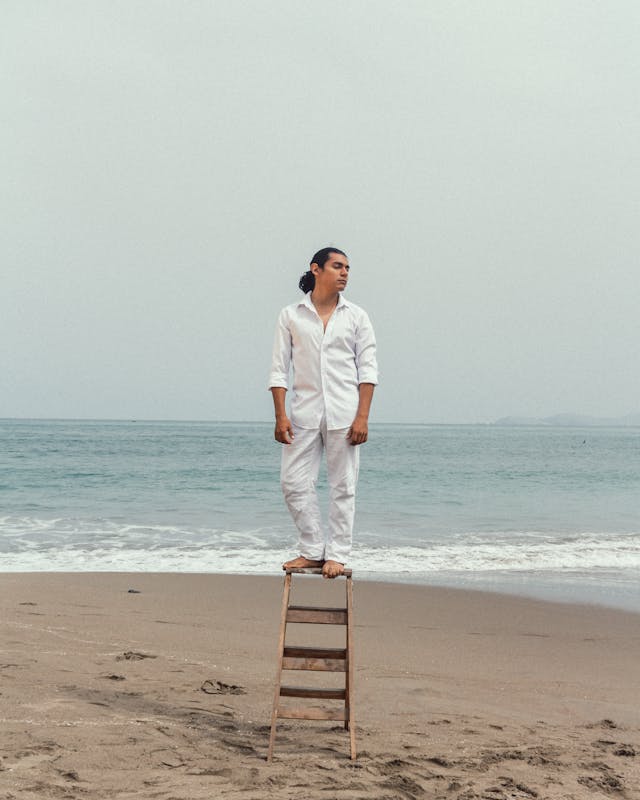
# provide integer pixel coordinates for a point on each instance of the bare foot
(331, 569)
(302, 563)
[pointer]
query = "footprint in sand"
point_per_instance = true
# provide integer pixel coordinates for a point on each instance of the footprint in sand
(439, 761)
(624, 750)
(606, 782)
(133, 655)
(218, 687)
(607, 724)
(70, 775)
(619, 748)
(239, 746)
(404, 785)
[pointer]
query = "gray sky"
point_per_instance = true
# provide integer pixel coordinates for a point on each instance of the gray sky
(168, 169)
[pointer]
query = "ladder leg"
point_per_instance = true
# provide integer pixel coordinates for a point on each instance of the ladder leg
(283, 627)
(349, 721)
(347, 681)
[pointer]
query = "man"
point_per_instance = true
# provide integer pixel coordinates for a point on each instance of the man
(331, 346)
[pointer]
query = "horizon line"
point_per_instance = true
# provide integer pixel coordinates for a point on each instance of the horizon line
(495, 422)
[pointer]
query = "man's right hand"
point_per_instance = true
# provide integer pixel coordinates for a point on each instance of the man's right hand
(284, 430)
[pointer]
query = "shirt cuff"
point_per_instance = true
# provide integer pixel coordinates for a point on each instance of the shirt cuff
(278, 382)
(368, 376)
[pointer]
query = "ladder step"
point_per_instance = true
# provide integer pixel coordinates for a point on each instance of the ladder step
(326, 659)
(319, 616)
(337, 714)
(314, 571)
(292, 651)
(312, 691)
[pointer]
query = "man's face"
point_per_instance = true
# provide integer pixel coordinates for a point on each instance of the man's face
(334, 276)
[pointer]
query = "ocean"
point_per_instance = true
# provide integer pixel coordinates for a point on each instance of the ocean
(551, 512)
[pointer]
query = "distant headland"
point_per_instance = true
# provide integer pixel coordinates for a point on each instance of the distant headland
(573, 420)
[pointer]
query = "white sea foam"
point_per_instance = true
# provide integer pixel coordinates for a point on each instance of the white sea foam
(33, 544)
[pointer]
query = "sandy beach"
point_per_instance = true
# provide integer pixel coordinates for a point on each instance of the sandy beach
(165, 692)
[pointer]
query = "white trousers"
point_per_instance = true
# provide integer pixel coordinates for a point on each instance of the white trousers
(298, 475)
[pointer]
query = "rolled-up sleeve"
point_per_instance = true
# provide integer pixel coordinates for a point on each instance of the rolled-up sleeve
(366, 361)
(281, 357)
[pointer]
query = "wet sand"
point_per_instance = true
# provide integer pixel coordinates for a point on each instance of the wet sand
(166, 692)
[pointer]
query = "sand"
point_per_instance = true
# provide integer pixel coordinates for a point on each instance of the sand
(166, 693)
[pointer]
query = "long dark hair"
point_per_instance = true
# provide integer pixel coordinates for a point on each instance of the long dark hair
(308, 280)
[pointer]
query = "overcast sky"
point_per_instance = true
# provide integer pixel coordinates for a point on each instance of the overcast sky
(168, 169)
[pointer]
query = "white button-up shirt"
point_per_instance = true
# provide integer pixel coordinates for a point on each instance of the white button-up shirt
(328, 365)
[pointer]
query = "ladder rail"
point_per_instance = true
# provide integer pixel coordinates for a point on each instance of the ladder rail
(283, 631)
(349, 722)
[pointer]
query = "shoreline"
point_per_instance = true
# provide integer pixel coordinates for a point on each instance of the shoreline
(571, 589)
(459, 693)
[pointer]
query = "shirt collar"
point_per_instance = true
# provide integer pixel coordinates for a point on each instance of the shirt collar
(306, 301)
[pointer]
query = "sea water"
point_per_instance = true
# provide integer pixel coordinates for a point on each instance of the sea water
(546, 511)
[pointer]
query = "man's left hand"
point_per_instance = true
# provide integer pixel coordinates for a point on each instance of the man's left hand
(359, 431)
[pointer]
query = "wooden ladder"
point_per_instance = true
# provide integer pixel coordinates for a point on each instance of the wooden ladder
(327, 659)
